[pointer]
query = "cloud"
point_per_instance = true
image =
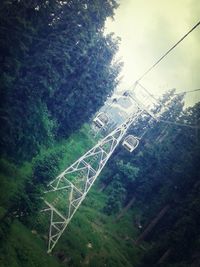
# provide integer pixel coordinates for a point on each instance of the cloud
(148, 29)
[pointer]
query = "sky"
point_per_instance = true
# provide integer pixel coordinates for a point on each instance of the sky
(147, 30)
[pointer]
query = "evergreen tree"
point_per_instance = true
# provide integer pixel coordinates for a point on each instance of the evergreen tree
(56, 70)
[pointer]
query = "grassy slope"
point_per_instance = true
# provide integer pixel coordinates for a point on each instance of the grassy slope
(24, 249)
(95, 239)
(92, 238)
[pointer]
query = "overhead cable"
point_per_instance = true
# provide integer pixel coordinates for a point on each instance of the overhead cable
(186, 92)
(179, 124)
(179, 93)
(158, 61)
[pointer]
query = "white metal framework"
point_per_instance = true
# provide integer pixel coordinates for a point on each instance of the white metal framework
(67, 191)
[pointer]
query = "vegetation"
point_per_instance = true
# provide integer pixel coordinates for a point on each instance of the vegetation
(57, 69)
(56, 66)
(165, 188)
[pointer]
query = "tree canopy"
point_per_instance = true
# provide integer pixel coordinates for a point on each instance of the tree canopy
(57, 69)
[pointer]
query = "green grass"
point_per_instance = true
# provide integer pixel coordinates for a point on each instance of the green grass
(24, 249)
(95, 239)
(76, 145)
(91, 239)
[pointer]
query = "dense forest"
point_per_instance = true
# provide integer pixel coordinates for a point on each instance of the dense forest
(56, 66)
(57, 69)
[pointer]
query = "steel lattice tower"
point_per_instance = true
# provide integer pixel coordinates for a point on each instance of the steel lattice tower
(66, 192)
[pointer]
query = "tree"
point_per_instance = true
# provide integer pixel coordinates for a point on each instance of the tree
(116, 196)
(57, 70)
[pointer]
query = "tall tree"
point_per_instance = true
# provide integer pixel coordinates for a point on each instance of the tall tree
(57, 70)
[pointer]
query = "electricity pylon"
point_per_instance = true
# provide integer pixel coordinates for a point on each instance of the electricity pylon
(66, 192)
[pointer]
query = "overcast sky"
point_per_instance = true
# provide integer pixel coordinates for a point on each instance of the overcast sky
(147, 30)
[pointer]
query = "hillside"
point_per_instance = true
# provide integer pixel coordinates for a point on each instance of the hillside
(58, 69)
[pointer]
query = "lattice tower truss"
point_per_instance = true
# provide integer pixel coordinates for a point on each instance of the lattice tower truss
(66, 192)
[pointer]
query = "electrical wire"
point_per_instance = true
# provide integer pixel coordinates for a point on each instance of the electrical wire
(155, 64)
(148, 70)
(171, 122)
(161, 58)
(183, 92)
(166, 121)
(190, 91)
(179, 124)
(147, 91)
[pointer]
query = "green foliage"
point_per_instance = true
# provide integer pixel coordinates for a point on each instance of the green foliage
(116, 197)
(95, 224)
(165, 172)
(46, 166)
(23, 249)
(170, 176)
(127, 170)
(56, 70)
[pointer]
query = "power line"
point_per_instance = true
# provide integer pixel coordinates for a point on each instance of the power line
(179, 93)
(147, 91)
(180, 124)
(171, 122)
(166, 121)
(154, 96)
(190, 91)
(154, 65)
(158, 61)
